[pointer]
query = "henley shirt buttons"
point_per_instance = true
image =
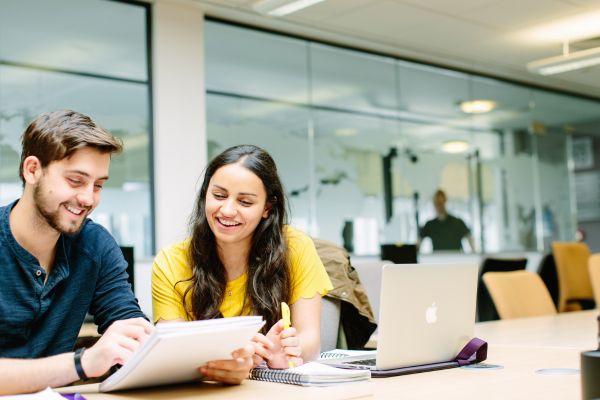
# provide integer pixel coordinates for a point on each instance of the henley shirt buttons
(38, 273)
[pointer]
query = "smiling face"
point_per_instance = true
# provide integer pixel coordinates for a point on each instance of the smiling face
(236, 202)
(67, 191)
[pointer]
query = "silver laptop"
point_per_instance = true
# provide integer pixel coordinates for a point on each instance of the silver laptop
(427, 315)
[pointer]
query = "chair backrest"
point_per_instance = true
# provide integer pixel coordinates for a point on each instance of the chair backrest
(594, 268)
(129, 257)
(331, 311)
(519, 294)
(370, 277)
(547, 271)
(486, 310)
(355, 314)
(571, 260)
(399, 253)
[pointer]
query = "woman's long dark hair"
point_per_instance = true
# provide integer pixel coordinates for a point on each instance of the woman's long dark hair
(269, 281)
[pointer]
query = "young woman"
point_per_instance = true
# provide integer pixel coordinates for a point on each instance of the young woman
(242, 259)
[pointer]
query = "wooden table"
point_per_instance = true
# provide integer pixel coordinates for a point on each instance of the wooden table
(522, 348)
(574, 329)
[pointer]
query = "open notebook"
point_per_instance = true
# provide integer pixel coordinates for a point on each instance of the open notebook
(310, 374)
(174, 351)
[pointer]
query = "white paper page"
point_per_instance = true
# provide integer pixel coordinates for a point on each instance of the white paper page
(46, 394)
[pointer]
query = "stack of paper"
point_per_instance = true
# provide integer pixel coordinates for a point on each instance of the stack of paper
(175, 350)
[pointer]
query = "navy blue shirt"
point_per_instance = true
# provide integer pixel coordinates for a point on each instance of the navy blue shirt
(445, 234)
(40, 319)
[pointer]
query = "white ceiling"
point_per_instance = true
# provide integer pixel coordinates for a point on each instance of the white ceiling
(494, 37)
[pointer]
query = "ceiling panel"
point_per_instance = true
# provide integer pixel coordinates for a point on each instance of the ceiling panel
(478, 35)
(516, 14)
(400, 24)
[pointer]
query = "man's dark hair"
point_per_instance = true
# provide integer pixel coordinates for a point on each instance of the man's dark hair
(56, 135)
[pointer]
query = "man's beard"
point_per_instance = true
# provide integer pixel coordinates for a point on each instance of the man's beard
(52, 218)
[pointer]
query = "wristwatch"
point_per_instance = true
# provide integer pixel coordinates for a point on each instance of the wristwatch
(78, 367)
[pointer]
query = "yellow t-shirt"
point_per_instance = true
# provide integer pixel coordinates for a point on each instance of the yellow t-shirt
(171, 265)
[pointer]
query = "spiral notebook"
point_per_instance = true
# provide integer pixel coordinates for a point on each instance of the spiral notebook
(310, 374)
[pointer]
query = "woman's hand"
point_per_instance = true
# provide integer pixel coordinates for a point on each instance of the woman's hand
(286, 347)
(233, 371)
(262, 349)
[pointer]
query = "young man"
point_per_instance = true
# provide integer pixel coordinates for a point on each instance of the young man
(56, 265)
(446, 231)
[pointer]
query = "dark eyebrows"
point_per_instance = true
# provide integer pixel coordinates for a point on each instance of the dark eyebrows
(225, 190)
(83, 173)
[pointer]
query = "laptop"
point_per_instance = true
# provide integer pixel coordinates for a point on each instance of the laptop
(427, 315)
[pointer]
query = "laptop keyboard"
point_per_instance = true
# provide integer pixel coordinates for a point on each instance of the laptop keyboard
(368, 361)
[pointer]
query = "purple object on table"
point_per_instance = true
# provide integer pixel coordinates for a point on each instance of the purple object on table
(72, 396)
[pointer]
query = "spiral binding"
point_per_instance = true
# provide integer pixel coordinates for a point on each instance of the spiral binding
(276, 375)
(332, 354)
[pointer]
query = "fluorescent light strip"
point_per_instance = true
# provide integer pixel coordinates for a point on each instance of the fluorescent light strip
(293, 7)
(280, 8)
(569, 62)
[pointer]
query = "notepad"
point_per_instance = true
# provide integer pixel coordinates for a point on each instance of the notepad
(310, 374)
(174, 351)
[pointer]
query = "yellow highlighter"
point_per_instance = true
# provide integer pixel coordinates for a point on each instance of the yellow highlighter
(287, 322)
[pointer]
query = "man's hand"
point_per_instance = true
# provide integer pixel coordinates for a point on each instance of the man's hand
(233, 371)
(116, 346)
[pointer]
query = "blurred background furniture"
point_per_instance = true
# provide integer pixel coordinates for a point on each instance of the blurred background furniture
(399, 253)
(331, 311)
(370, 277)
(547, 271)
(574, 287)
(518, 294)
(486, 310)
(128, 254)
(594, 269)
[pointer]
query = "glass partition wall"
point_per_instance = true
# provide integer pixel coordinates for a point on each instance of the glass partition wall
(363, 141)
(58, 54)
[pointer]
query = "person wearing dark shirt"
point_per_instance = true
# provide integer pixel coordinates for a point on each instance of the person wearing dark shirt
(445, 231)
(57, 265)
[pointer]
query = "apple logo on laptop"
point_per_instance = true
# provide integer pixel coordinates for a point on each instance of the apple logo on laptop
(431, 314)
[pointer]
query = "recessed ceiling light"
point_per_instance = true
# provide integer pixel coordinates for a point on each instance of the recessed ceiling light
(455, 146)
(345, 132)
(477, 106)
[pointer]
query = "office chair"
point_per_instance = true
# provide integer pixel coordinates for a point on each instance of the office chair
(547, 271)
(128, 254)
(574, 286)
(486, 310)
(370, 277)
(331, 312)
(356, 318)
(594, 268)
(519, 294)
(399, 253)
